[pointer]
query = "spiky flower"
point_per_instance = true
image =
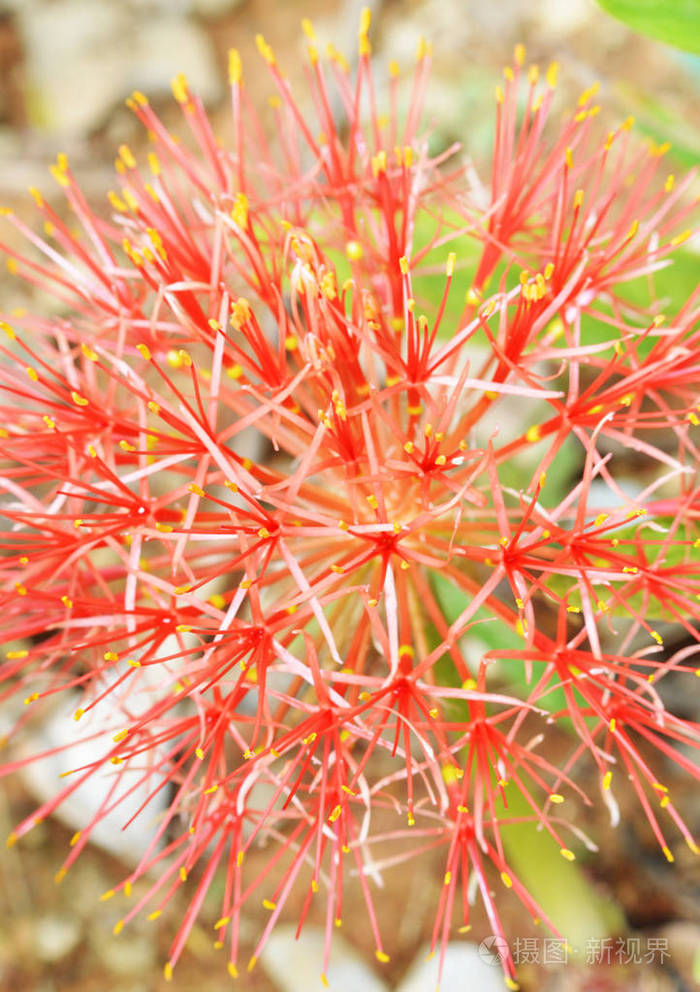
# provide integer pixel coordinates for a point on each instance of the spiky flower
(277, 522)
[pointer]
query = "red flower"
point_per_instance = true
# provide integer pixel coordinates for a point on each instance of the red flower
(241, 467)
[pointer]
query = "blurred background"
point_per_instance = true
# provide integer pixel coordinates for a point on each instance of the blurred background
(66, 67)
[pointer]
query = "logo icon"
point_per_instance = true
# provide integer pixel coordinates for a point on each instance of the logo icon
(493, 950)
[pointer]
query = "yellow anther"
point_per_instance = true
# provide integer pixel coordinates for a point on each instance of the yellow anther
(78, 399)
(668, 855)
(533, 434)
(450, 264)
(239, 215)
(116, 203)
(578, 199)
(566, 853)
(551, 76)
(506, 879)
(372, 500)
(680, 238)
(379, 163)
(60, 176)
(235, 67)
(451, 774)
(473, 297)
(556, 798)
(600, 519)
(265, 50)
(381, 956)
(127, 157)
(588, 94)
(179, 88)
(88, 352)
(423, 50)
(519, 54)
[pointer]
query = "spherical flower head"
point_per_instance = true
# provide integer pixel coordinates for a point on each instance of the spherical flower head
(285, 526)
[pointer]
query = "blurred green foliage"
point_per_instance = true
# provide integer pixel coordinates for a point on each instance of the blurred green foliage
(676, 22)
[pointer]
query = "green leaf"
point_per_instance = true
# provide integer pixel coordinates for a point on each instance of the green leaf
(561, 887)
(677, 22)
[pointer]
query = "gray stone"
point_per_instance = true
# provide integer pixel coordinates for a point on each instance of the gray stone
(166, 46)
(55, 937)
(133, 955)
(78, 809)
(295, 965)
(464, 969)
(84, 58)
(76, 62)
(214, 8)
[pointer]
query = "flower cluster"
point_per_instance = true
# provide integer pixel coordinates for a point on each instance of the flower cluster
(277, 520)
